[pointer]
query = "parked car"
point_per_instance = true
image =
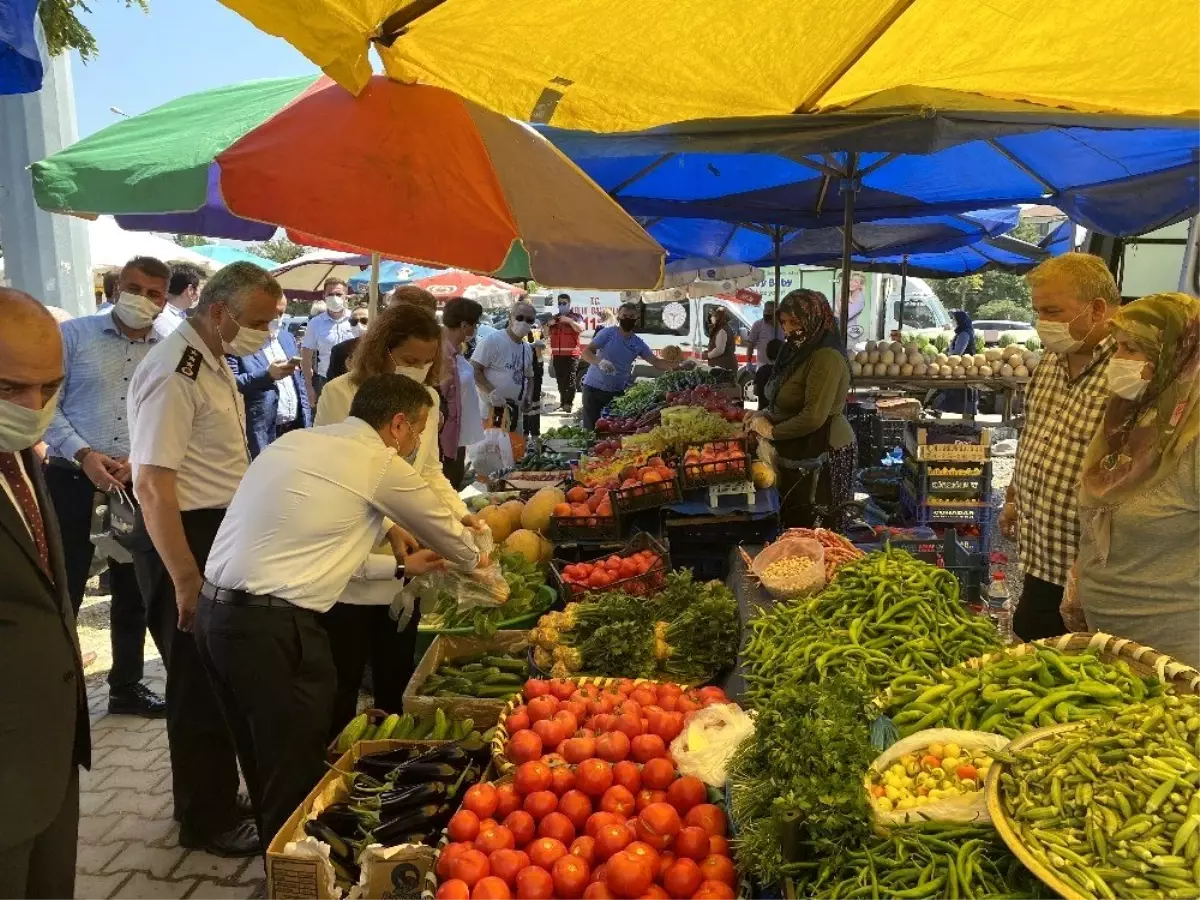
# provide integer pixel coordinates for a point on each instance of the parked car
(991, 330)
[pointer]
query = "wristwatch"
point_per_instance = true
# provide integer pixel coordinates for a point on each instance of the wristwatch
(399, 571)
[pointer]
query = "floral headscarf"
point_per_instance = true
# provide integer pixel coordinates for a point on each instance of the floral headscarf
(817, 329)
(1141, 442)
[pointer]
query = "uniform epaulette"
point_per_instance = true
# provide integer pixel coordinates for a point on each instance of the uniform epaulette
(190, 362)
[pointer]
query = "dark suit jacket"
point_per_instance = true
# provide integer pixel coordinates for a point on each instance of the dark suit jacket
(339, 358)
(262, 395)
(44, 727)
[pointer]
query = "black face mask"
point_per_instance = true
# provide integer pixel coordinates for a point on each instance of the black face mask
(627, 324)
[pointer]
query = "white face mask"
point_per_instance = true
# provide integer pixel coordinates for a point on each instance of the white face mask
(335, 303)
(1056, 336)
(1125, 378)
(21, 427)
(136, 312)
(520, 329)
(416, 373)
(246, 342)
(358, 330)
(273, 327)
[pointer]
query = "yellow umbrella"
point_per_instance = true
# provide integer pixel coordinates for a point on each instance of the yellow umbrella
(604, 66)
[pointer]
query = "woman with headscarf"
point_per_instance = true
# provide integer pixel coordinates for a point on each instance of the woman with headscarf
(965, 400)
(805, 406)
(1137, 574)
(721, 351)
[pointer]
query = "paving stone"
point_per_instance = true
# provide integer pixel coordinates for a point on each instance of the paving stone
(91, 859)
(98, 886)
(95, 802)
(156, 861)
(91, 779)
(142, 886)
(130, 778)
(132, 759)
(121, 736)
(159, 742)
(149, 806)
(159, 832)
(254, 872)
(205, 864)
(207, 890)
(98, 828)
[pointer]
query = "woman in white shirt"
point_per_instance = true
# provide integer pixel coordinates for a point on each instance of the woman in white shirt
(404, 339)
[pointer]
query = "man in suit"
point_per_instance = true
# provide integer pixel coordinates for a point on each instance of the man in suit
(273, 387)
(41, 676)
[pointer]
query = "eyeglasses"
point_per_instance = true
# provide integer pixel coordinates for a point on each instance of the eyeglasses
(360, 321)
(529, 319)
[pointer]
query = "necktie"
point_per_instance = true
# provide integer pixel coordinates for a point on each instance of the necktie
(11, 470)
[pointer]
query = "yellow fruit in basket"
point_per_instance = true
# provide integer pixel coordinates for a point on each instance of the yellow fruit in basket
(498, 521)
(513, 509)
(527, 543)
(536, 514)
(764, 475)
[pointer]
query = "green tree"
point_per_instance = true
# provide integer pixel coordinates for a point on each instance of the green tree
(1004, 309)
(191, 240)
(279, 249)
(983, 294)
(64, 30)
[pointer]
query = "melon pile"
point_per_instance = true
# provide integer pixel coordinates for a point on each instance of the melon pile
(896, 360)
(519, 527)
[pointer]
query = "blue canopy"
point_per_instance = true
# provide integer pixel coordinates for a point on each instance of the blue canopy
(755, 244)
(225, 254)
(392, 274)
(20, 63)
(1115, 174)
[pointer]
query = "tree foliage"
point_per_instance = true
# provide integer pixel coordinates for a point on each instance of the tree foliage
(64, 30)
(1004, 309)
(191, 240)
(991, 291)
(280, 250)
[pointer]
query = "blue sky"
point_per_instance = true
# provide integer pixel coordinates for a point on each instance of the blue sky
(180, 47)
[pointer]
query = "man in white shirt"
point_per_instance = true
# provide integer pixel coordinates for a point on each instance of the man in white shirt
(183, 293)
(275, 567)
(503, 363)
(324, 332)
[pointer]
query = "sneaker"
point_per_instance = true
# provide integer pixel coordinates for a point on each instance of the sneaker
(239, 841)
(136, 700)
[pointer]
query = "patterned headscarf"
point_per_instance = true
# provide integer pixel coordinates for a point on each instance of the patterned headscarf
(817, 329)
(1142, 441)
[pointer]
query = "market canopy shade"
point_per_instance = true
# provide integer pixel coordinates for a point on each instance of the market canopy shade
(596, 65)
(488, 292)
(423, 175)
(224, 254)
(20, 62)
(391, 274)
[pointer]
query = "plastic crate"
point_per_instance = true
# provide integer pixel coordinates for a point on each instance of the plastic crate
(638, 585)
(947, 442)
(701, 474)
(630, 500)
(971, 512)
(931, 479)
(956, 555)
(565, 529)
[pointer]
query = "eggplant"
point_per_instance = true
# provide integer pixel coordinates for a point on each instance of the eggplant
(393, 831)
(341, 855)
(340, 818)
(391, 758)
(395, 801)
(420, 772)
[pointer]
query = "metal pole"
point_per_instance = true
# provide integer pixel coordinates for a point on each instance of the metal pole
(903, 287)
(775, 314)
(373, 295)
(848, 190)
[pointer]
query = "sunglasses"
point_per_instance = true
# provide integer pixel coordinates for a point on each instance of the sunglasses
(524, 319)
(360, 320)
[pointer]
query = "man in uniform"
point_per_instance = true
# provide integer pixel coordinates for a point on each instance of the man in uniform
(274, 570)
(188, 436)
(88, 451)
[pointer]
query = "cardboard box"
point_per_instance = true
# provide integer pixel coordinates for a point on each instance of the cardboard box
(485, 712)
(392, 871)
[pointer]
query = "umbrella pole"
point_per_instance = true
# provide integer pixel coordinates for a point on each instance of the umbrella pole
(775, 314)
(373, 294)
(848, 191)
(903, 289)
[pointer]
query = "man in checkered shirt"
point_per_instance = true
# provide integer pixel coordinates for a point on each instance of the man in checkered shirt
(1074, 296)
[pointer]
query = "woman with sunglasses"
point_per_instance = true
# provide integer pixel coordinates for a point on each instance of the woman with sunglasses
(406, 340)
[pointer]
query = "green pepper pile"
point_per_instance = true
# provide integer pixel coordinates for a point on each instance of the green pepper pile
(1012, 694)
(930, 860)
(881, 617)
(1111, 807)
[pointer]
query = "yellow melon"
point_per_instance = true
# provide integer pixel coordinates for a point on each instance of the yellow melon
(527, 543)
(764, 475)
(513, 509)
(536, 514)
(498, 521)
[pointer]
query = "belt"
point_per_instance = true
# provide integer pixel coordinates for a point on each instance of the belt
(243, 598)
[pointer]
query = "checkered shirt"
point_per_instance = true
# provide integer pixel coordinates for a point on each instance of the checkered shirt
(1061, 414)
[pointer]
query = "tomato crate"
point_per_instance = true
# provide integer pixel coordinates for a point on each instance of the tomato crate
(565, 529)
(640, 584)
(635, 498)
(695, 471)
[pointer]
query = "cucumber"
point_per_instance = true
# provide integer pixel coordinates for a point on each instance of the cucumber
(405, 727)
(352, 733)
(472, 667)
(441, 726)
(469, 660)
(463, 728)
(462, 686)
(481, 675)
(497, 691)
(505, 678)
(487, 736)
(449, 671)
(369, 734)
(387, 728)
(508, 664)
(421, 730)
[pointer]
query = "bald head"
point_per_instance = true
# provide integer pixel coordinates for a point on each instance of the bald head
(31, 367)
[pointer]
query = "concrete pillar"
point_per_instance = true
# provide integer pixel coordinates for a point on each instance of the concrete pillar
(45, 255)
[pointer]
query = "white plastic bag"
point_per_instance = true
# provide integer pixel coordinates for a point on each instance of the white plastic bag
(479, 587)
(786, 547)
(971, 807)
(493, 453)
(712, 735)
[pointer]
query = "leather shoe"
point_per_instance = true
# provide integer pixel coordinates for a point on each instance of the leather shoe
(137, 700)
(239, 841)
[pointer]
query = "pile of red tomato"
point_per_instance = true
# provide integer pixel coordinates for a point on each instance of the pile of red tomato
(597, 830)
(601, 573)
(626, 720)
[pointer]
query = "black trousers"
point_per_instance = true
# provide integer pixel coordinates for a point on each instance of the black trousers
(203, 763)
(72, 494)
(274, 679)
(45, 865)
(595, 400)
(1037, 614)
(564, 374)
(356, 634)
(455, 468)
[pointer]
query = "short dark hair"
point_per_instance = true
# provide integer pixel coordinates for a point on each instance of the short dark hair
(416, 296)
(773, 347)
(564, 296)
(148, 265)
(111, 280)
(333, 282)
(183, 276)
(380, 397)
(461, 311)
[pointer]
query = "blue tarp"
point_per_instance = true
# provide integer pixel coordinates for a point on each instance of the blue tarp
(225, 254)
(1114, 174)
(20, 63)
(392, 274)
